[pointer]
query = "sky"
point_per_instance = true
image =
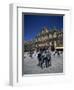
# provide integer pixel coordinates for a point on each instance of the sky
(33, 24)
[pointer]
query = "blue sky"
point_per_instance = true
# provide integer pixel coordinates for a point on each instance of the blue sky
(33, 24)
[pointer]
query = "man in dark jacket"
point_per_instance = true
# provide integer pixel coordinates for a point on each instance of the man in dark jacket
(39, 58)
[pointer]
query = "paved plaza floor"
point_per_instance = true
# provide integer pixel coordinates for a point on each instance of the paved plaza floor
(31, 67)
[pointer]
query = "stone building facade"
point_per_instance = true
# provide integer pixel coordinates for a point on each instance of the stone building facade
(46, 38)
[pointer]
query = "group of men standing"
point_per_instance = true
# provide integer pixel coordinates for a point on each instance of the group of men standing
(44, 58)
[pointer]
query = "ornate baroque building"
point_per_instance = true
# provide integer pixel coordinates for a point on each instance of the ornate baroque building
(48, 37)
